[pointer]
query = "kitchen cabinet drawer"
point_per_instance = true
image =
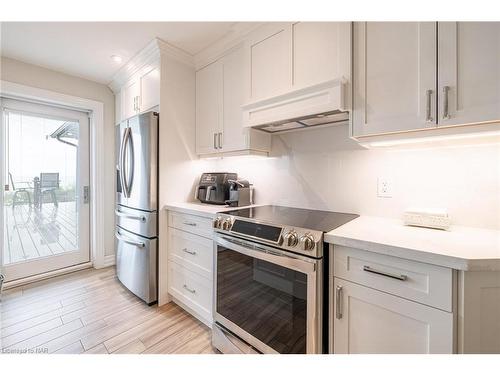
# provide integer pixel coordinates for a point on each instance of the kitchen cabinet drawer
(191, 251)
(421, 282)
(201, 226)
(191, 289)
(371, 322)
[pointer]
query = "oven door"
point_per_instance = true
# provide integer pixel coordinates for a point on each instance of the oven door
(267, 297)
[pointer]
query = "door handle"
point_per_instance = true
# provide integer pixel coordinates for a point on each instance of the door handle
(86, 194)
(122, 163)
(215, 141)
(134, 217)
(220, 140)
(446, 112)
(129, 241)
(338, 302)
(383, 273)
(428, 115)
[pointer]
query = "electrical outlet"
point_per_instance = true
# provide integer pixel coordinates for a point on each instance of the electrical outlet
(384, 187)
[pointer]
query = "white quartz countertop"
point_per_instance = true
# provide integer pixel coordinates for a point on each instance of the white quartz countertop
(197, 208)
(462, 248)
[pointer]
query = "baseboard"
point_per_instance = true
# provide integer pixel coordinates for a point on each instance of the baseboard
(109, 260)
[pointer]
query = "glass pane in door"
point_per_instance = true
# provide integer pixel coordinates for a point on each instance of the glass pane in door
(40, 196)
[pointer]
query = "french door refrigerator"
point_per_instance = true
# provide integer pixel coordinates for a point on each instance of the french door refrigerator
(137, 205)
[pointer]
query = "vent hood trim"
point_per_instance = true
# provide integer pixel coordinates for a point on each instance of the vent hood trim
(327, 99)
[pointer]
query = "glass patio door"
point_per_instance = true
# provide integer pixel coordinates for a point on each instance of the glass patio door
(45, 197)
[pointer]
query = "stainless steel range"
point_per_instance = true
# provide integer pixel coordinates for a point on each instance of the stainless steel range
(269, 279)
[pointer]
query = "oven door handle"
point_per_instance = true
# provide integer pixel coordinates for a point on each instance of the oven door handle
(276, 256)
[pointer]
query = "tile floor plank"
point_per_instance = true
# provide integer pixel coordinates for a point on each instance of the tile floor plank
(91, 312)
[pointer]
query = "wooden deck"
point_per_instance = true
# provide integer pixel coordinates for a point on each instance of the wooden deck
(31, 233)
(91, 312)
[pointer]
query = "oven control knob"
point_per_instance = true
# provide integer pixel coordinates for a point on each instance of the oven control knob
(217, 222)
(291, 238)
(307, 242)
(226, 224)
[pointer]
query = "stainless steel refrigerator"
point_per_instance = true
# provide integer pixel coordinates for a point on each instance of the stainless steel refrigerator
(137, 205)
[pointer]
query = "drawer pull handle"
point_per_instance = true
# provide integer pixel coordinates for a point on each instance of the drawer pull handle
(189, 289)
(338, 300)
(388, 274)
(189, 223)
(192, 252)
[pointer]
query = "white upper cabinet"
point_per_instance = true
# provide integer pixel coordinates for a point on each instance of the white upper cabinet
(139, 94)
(130, 99)
(269, 59)
(394, 77)
(234, 135)
(468, 72)
(411, 76)
(209, 108)
(150, 90)
(321, 52)
(219, 97)
(283, 57)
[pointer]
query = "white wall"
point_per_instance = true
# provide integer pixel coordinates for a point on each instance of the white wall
(324, 169)
(36, 76)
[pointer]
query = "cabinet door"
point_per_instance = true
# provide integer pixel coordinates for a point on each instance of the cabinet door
(394, 77)
(150, 90)
(234, 135)
(209, 93)
(468, 72)
(118, 107)
(130, 94)
(269, 57)
(321, 52)
(377, 322)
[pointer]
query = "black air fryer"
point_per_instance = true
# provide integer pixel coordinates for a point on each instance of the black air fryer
(214, 187)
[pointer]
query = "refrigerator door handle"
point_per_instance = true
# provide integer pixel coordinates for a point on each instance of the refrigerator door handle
(129, 241)
(133, 217)
(130, 151)
(121, 162)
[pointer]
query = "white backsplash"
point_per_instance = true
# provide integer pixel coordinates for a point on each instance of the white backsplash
(324, 169)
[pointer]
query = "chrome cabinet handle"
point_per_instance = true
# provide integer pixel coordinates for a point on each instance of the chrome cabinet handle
(428, 116)
(189, 252)
(446, 112)
(130, 242)
(387, 274)
(189, 223)
(189, 289)
(220, 140)
(126, 216)
(338, 302)
(215, 141)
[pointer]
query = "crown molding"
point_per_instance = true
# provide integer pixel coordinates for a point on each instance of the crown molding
(218, 49)
(151, 55)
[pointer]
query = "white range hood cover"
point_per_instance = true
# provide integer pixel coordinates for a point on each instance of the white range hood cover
(302, 108)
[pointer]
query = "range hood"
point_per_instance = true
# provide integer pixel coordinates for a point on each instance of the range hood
(326, 118)
(317, 105)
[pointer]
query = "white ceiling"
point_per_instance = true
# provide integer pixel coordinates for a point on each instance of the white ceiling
(84, 48)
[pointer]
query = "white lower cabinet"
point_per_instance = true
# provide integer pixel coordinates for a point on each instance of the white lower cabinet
(370, 321)
(190, 263)
(384, 304)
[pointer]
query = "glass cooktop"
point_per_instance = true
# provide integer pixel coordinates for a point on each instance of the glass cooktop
(324, 221)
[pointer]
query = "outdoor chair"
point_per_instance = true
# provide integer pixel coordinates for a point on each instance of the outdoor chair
(20, 190)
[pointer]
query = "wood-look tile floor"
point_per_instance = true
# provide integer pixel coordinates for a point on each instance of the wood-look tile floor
(91, 312)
